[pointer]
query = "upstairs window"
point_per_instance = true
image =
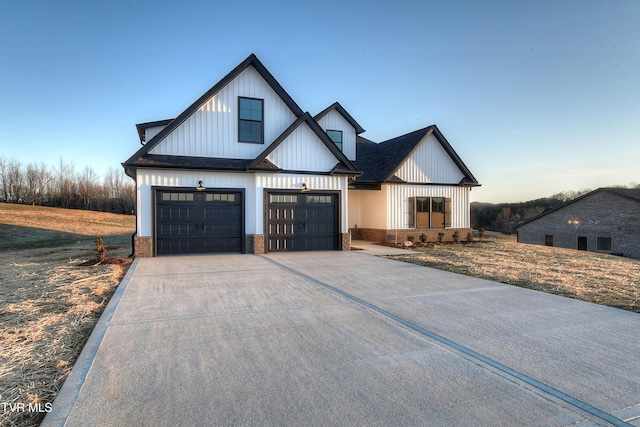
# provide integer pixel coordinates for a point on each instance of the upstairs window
(336, 137)
(251, 120)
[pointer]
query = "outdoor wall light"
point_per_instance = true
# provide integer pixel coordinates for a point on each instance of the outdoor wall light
(304, 187)
(200, 187)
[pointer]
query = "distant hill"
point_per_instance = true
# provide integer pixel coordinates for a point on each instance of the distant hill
(504, 217)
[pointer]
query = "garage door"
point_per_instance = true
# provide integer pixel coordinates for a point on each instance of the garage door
(198, 221)
(302, 222)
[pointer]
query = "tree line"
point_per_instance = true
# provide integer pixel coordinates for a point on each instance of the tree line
(504, 217)
(64, 187)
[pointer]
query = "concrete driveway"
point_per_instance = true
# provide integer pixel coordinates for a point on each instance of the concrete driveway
(332, 338)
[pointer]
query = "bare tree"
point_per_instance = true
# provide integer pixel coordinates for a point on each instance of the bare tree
(4, 184)
(37, 179)
(120, 190)
(16, 182)
(88, 188)
(65, 183)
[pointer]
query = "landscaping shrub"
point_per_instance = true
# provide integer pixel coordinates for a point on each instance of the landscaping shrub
(423, 238)
(456, 236)
(440, 237)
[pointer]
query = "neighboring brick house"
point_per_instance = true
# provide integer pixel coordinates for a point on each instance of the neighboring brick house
(605, 220)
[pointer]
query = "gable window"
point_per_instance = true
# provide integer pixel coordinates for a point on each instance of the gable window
(429, 212)
(603, 244)
(251, 120)
(336, 137)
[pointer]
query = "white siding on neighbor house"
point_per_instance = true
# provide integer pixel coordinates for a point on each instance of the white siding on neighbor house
(293, 181)
(303, 151)
(147, 178)
(430, 163)
(367, 208)
(334, 121)
(212, 131)
(398, 203)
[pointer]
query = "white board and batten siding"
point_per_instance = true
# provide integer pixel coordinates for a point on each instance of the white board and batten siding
(149, 133)
(302, 150)
(334, 121)
(253, 185)
(430, 163)
(212, 131)
(398, 203)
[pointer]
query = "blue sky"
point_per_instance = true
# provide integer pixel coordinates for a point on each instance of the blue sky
(536, 97)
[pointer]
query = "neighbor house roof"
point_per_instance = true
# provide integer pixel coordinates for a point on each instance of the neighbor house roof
(251, 60)
(627, 193)
(336, 106)
(380, 162)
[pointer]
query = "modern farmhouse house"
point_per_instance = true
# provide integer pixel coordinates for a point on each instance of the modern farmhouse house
(244, 169)
(604, 220)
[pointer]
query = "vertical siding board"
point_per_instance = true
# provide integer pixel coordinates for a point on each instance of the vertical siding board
(430, 163)
(192, 138)
(303, 151)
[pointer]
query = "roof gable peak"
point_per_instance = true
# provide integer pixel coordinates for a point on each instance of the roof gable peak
(251, 61)
(340, 109)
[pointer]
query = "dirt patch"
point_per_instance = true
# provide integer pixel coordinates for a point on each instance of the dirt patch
(53, 292)
(587, 276)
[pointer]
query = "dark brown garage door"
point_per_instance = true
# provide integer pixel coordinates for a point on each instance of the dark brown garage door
(198, 221)
(302, 222)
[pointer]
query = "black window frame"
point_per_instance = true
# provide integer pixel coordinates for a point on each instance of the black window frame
(340, 143)
(241, 136)
(419, 203)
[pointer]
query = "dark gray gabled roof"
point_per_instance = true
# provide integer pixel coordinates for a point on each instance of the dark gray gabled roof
(627, 193)
(336, 106)
(380, 162)
(251, 60)
(344, 165)
(192, 162)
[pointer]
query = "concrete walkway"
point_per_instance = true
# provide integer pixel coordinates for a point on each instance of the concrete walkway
(331, 338)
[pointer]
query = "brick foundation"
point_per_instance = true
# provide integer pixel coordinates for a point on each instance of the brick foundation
(392, 236)
(346, 241)
(254, 244)
(143, 246)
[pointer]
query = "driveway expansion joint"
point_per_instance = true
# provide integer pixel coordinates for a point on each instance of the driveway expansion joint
(544, 388)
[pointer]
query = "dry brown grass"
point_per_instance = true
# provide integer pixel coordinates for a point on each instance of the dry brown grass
(587, 276)
(50, 299)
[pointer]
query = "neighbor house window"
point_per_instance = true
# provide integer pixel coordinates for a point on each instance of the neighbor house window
(603, 244)
(336, 137)
(582, 243)
(250, 120)
(429, 212)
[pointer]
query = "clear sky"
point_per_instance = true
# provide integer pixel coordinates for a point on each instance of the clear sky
(536, 97)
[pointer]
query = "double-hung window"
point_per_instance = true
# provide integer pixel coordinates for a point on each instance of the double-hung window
(336, 137)
(251, 120)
